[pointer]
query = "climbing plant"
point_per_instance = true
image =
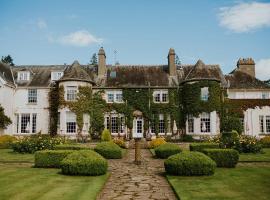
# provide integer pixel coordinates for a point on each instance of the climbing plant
(4, 120)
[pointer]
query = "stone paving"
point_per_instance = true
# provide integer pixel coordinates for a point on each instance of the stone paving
(137, 182)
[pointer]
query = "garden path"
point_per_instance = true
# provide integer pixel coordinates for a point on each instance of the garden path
(137, 182)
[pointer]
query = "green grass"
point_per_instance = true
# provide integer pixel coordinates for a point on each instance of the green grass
(259, 157)
(20, 181)
(246, 182)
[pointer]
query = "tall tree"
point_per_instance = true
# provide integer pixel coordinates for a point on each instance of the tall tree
(93, 60)
(8, 60)
(4, 120)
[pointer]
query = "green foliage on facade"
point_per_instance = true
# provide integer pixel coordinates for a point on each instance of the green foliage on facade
(4, 120)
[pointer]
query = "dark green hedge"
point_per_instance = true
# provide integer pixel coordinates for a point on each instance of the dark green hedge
(166, 150)
(190, 164)
(200, 146)
(50, 158)
(71, 147)
(223, 157)
(84, 162)
(109, 150)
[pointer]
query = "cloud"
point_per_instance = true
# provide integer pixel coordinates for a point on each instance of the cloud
(245, 17)
(41, 24)
(263, 69)
(79, 38)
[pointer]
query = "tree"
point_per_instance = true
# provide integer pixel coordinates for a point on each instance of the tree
(8, 60)
(4, 120)
(93, 60)
(177, 60)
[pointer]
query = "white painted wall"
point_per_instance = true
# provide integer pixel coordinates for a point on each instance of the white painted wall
(243, 94)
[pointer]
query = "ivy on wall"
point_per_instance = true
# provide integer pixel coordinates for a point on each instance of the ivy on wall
(4, 120)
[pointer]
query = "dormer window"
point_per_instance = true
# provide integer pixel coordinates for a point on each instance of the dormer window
(204, 94)
(23, 76)
(56, 75)
(160, 96)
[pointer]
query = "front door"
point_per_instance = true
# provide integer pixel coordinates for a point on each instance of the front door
(138, 127)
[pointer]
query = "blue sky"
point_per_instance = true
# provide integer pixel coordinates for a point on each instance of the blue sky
(57, 32)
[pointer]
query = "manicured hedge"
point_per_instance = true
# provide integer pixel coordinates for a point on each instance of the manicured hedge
(109, 150)
(200, 146)
(190, 164)
(166, 150)
(223, 157)
(50, 158)
(265, 141)
(84, 162)
(71, 147)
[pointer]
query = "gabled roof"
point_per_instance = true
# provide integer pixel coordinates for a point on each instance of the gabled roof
(75, 72)
(6, 73)
(240, 80)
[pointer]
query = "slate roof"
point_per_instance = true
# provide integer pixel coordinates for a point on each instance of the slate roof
(6, 73)
(240, 80)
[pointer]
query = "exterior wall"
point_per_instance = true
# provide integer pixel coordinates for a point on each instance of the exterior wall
(243, 94)
(251, 120)
(7, 102)
(21, 106)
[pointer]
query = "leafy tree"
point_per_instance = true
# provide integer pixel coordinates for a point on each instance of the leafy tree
(177, 60)
(4, 120)
(93, 60)
(8, 60)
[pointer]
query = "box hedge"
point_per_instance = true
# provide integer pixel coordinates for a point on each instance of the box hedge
(223, 157)
(84, 162)
(190, 164)
(201, 146)
(50, 158)
(166, 150)
(71, 147)
(109, 150)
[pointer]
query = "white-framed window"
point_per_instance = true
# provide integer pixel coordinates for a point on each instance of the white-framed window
(114, 96)
(204, 94)
(23, 76)
(161, 124)
(115, 123)
(265, 95)
(267, 123)
(190, 124)
(205, 123)
(261, 121)
(71, 93)
(160, 96)
(26, 123)
(71, 122)
(32, 95)
(56, 75)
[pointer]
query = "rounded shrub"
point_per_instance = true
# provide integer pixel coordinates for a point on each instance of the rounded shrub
(84, 162)
(156, 142)
(223, 157)
(265, 141)
(106, 135)
(70, 147)
(50, 158)
(190, 164)
(109, 150)
(166, 150)
(201, 146)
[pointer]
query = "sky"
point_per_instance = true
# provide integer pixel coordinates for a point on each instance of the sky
(137, 31)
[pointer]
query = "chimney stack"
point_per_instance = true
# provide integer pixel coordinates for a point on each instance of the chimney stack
(101, 62)
(246, 65)
(171, 62)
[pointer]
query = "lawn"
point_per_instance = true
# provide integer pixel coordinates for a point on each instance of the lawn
(249, 180)
(20, 181)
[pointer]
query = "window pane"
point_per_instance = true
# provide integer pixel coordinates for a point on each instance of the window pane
(34, 123)
(71, 93)
(32, 95)
(119, 97)
(25, 123)
(71, 122)
(268, 124)
(157, 97)
(114, 125)
(190, 124)
(261, 121)
(204, 94)
(164, 97)
(205, 123)
(110, 97)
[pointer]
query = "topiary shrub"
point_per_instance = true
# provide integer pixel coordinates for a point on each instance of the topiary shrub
(109, 150)
(190, 164)
(106, 136)
(223, 157)
(201, 146)
(120, 142)
(231, 123)
(70, 147)
(50, 158)
(166, 150)
(265, 141)
(187, 138)
(156, 142)
(6, 141)
(84, 162)
(229, 139)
